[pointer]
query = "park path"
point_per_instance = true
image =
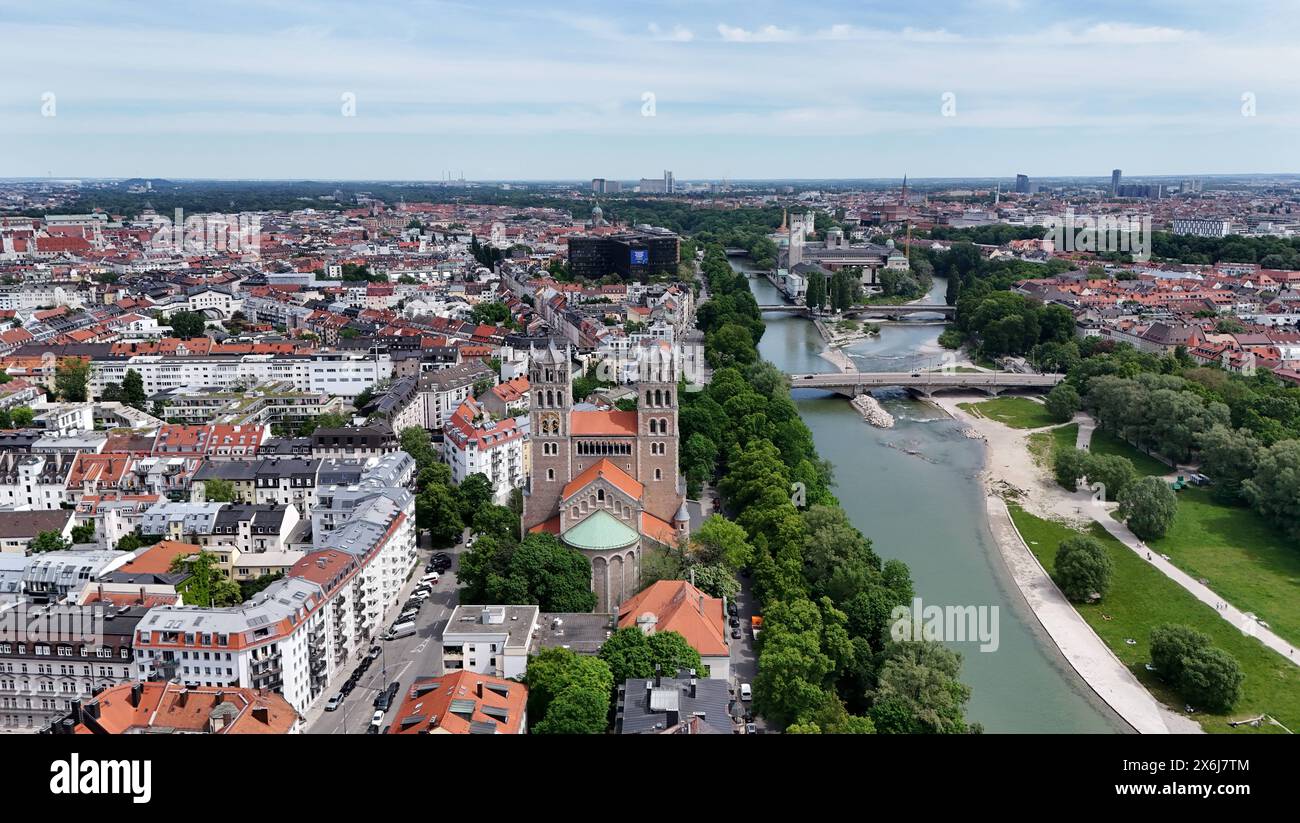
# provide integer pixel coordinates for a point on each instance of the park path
(1076, 640)
(1103, 514)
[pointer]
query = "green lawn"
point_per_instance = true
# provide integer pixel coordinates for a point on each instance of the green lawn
(1142, 598)
(1254, 566)
(1103, 442)
(1017, 412)
(1043, 444)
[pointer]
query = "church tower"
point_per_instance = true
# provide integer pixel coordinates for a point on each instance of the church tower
(548, 415)
(657, 433)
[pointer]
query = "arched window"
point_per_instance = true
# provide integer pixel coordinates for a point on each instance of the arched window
(600, 495)
(550, 474)
(659, 474)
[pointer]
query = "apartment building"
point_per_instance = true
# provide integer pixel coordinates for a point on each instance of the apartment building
(301, 631)
(476, 443)
(61, 654)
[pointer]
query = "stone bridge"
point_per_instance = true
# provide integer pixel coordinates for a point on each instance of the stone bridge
(851, 384)
(869, 311)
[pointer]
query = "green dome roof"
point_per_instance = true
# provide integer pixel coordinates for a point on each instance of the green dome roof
(599, 532)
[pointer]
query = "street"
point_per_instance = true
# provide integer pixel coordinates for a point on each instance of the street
(401, 660)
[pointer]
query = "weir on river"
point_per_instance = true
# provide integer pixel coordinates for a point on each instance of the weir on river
(915, 491)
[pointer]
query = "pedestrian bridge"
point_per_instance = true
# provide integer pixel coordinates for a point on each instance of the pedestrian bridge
(869, 311)
(851, 384)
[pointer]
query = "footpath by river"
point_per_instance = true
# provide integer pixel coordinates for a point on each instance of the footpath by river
(915, 490)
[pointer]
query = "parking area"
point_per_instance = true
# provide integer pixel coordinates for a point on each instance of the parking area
(744, 661)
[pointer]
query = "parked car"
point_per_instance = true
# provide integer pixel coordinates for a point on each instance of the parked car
(377, 720)
(335, 702)
(746, 693)
(382, 701)
(735, 622)
(733, 609)
(735, 634)
(375, 651)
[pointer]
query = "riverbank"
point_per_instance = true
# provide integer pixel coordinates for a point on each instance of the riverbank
(1010, 470)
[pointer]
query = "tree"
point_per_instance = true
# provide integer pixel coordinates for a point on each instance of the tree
(575, 711)
(219, 490)
(1068, 465)
(188, 324)
(1211, 678)
(206, 584)
(474, 494)
(919, 691)
(1272, 489)
(1083, 568)
(1113, 472)
(556, 577)
(714, 579)
(415, 442)
(1148, 506)
(1062, 402)
(1229, 457)
(85, 533)
(719, 540)
(631, 653)
(436, 509)
(328, 420)
(50, 541)
(587, 681)
(22, 417)
(70, 378)
(1171, 643)
(133, 390)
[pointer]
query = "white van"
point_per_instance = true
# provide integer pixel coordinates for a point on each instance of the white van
(429, 579)
(746, 693)
(400, 630)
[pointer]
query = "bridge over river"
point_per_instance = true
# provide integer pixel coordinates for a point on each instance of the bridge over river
(851, 384)
(868, 311)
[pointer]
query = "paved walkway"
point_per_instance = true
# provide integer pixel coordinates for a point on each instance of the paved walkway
(1078, 643)
(1203, 593)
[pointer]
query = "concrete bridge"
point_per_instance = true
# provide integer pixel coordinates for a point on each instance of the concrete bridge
(926, 383)
(869, 311)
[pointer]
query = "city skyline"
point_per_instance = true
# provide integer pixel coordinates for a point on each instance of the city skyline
(966, 89)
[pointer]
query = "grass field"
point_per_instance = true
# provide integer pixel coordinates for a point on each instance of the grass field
(1254, 566)
(1142, 598)
(1043, 444)
(1103, 442)
(1017, 412)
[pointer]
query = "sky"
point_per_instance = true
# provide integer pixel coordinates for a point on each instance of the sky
(712, 90)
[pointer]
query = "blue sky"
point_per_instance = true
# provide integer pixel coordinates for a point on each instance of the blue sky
(526, 90)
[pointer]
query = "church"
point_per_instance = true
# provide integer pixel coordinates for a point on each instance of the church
(604, 480)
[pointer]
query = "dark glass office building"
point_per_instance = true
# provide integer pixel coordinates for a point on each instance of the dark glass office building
(631, 255)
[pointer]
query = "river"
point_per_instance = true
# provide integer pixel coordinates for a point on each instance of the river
(914, 490)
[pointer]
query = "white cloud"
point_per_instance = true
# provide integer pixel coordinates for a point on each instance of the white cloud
(767, 34)
(1115, 34)
(678, 33)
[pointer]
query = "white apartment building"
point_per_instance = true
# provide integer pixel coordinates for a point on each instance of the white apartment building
(300, 632)
(474, 443)
(345, 374)
(489, 639)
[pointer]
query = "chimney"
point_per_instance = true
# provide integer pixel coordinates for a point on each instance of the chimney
(478, 689)
(142, 595)
(99, 592)
(182, 697)
(137, 691)
(701, 603)
(219, 698)
(262, 715)
(658, 679)
(693, 682)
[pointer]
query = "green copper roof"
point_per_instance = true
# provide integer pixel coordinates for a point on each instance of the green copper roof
(599, 532)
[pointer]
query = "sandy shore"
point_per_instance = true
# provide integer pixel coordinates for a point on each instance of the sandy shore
(1009, 467)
